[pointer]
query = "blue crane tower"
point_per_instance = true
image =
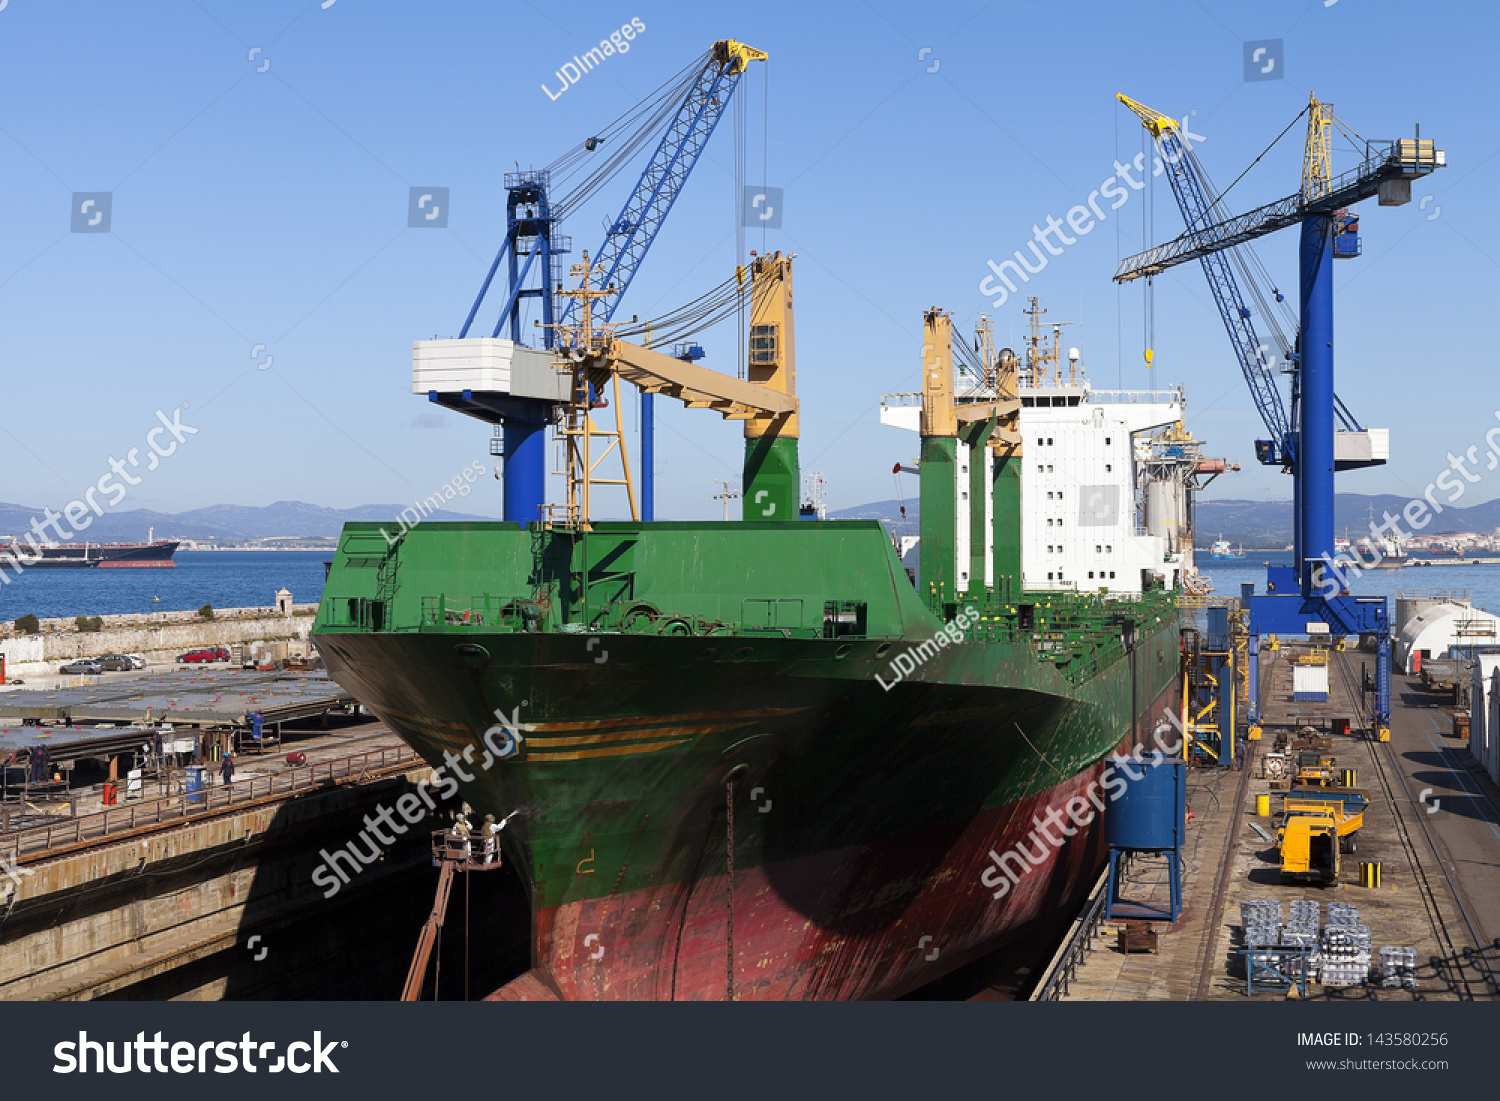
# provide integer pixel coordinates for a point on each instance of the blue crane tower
(685, 110)
(1311, 597)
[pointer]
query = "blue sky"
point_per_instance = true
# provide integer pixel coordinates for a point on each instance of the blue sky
(269, 208)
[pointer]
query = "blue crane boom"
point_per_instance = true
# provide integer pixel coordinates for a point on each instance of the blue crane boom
(686, 110)
(630, 236)
(1196, 208)
(533, 212)
(1403, 159)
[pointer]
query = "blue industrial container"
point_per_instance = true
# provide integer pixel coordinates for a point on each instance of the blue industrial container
(1150, 813)
(195, 784)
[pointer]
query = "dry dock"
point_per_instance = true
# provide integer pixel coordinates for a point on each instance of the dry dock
(153, 887)
(1433, 826)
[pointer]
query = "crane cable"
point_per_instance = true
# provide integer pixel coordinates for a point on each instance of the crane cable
(1214, 207)
(739, 227)
(641, 125)
(708, 309)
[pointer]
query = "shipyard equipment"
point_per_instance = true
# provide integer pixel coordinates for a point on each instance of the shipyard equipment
(495, 380)
(453, 851)
(1311, 597)
(593, 357)
(1147, 818)
(1213, 671)
(1309, 843)
(1348, 806)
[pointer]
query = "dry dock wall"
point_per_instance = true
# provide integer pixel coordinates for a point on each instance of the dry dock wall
(168, 913)
(158, 638)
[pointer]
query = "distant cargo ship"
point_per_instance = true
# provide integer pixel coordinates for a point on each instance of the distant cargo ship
(156, 554)
(1222, 549)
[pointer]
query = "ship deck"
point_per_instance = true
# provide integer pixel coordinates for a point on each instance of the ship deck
(1433, 825)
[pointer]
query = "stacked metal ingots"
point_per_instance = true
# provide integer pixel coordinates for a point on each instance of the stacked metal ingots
(1398, 968)
(1346, 948)
(1261, 921)
(1301, 929)
(1343, 913)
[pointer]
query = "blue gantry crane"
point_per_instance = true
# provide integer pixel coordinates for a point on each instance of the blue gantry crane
(1311, 597)
(684, 112)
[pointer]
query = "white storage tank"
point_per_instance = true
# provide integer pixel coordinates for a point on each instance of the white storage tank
(1436, 630)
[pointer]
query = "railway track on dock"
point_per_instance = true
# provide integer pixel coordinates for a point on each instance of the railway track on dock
(1461, 951)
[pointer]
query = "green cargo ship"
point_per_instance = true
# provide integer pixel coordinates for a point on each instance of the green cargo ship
(752, 759)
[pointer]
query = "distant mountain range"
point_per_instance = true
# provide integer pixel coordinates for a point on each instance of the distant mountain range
(1264, 525)
(1268, 524)
(219, 523)
(1259, 524)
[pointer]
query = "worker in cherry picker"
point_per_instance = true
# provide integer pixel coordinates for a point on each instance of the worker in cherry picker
(492, 835)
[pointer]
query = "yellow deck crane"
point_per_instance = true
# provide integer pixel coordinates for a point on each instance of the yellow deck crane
(596, 359)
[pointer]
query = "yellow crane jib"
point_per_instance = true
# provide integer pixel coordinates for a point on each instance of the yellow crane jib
(1159, 124)
(736, 54)
(696, 387)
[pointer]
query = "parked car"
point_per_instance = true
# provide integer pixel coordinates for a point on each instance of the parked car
(207, 654)
(117, 663)
(136, 661)
(84, 665)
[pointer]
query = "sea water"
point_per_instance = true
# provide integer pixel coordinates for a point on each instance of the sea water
(1482, 583)
(225, 579)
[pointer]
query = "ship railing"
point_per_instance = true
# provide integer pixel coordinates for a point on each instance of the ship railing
(490, 610)
(38, 842)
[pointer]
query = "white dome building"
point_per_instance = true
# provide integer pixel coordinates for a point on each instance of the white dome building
(1436, 630)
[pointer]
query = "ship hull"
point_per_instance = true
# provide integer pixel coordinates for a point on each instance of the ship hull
(106, 556)
(866, 921)
(864, 819)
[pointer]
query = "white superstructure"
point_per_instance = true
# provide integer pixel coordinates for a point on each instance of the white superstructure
(1089, 476)
(1080, 494)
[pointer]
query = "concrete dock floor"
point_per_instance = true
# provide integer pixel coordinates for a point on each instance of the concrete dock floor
(1440, 890)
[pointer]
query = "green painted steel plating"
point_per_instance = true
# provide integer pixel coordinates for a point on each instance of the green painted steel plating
(938, 471)
(772, 479)
(1007, 491)
(782, 579)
